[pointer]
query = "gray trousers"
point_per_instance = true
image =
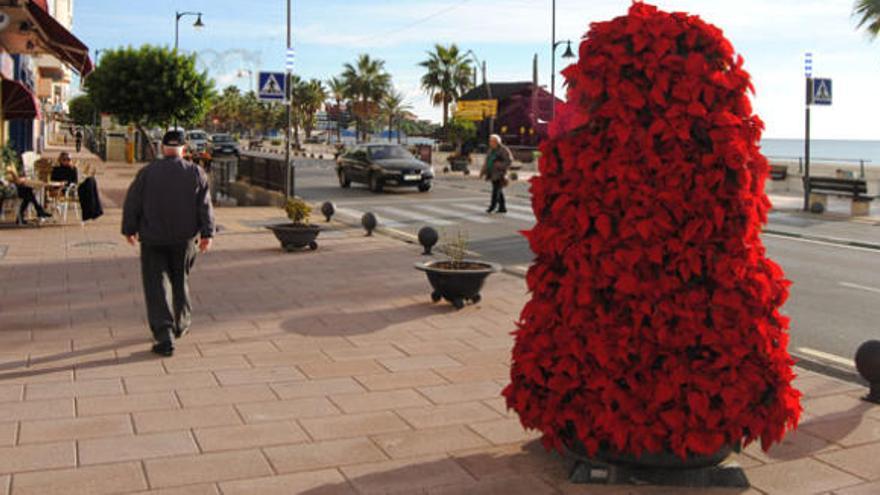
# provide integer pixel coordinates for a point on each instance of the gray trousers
(165, 271)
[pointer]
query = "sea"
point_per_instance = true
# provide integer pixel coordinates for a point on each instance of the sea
(824, 150)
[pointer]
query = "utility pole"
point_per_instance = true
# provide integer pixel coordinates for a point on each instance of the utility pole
(808, 72)
(553, 65)
(288, 190)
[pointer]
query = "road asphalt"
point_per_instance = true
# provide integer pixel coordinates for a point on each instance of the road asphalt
(835, 297)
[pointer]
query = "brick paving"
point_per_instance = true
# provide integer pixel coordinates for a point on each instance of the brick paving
(324, 372)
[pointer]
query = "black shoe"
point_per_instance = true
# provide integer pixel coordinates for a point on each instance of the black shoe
(179, 334)
(20, 221)
(502, 210)
(490, 210)
(164, 348)
(44, 214)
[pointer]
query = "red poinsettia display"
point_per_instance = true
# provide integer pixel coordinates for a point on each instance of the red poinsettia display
(654, 322)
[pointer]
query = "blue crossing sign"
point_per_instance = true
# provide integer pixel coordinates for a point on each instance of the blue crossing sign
(821, 92)
(272, 86)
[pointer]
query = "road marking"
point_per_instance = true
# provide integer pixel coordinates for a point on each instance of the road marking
(449, 213)
(382, 221)
(527, 209)
(859, 287)
(397, 212)
(821, 243)
(515, 216)
(826, 356)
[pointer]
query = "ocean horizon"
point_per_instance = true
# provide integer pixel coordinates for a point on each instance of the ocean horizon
(824, 150)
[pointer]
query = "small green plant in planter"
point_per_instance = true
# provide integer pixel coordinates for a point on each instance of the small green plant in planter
(298, 211)
(457, 279)
(299, 233)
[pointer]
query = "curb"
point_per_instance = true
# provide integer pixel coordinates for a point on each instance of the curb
(829, 240)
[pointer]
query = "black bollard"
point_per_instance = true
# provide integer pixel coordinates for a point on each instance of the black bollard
(328, 210)
(428, 238)
(868, 365)
(369, 222)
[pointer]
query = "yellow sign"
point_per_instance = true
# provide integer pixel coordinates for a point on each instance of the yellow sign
(476, 110)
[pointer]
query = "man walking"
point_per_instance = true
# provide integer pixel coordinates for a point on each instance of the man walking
(498, 161)
(167, 207)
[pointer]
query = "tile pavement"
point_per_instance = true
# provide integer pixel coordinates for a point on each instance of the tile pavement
(313, 372)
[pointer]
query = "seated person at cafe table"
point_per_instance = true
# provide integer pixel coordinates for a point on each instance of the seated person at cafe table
(25, 193)
(65, 171)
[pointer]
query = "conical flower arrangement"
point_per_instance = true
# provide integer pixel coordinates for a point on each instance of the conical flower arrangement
(654, 322)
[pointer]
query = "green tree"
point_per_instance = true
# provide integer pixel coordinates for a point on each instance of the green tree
(868, 13)
(226, 109)
(460, 131)
(150, 86)
(337, 89)
(312, 96)
(393, 107)
(448, 75)
(82, 110)
(366, 83)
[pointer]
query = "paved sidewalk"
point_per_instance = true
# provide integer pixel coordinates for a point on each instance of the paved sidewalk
(325, 372)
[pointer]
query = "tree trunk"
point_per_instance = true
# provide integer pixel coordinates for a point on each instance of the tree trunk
(445, 112)
(391, 128)
(338, 121)
(151, 151)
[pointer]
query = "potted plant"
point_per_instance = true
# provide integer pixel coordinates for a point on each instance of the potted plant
(298, 234)
(653, 337)
(457, 279)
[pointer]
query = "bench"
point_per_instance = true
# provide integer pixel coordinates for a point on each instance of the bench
(778, 172)
(821, 187)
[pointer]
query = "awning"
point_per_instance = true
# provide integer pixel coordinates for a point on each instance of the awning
(18, 101)
(63, 44)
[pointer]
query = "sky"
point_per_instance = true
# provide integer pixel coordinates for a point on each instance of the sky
(242, 35)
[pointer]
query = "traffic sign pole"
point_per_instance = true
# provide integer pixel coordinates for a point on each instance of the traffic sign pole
(807, 146)
(288, 190)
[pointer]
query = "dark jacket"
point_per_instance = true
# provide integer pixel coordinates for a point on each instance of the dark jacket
(89, 200)
(503, 160)
(168, 203)
(64, 174)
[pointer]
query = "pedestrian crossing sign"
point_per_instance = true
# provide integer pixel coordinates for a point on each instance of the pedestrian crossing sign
(821, 92)
(272, 86)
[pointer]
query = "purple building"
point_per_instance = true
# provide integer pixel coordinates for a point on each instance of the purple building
(523, 111)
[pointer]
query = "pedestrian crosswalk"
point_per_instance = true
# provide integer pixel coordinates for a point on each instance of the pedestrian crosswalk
(438, 214)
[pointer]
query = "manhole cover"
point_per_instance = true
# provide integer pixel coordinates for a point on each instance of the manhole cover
(95, 245)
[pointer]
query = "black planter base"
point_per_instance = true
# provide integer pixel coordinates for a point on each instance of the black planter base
(599, 473)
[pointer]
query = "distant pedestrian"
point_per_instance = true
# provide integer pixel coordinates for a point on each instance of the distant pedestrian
(167, 208)
(79, 139)
(498, 161)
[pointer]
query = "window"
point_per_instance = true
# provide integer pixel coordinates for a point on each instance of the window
(388, 152)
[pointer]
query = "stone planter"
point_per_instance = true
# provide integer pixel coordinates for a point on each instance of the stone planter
(457, 284)
(295, 237)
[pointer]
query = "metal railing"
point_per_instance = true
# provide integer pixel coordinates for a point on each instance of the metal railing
(825, 161)
(266, 170)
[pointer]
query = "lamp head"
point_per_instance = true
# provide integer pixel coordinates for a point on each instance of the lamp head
(568, 53)
(199, 24)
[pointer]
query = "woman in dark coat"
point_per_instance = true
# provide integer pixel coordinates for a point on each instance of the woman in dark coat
(498, 161)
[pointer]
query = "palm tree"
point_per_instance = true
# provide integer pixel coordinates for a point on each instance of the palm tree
(337, 91)
(313, 96)
(448, 76)
(393, 107)
(366, 83)
(868, 12)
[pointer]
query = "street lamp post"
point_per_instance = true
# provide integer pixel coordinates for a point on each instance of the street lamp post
(250, 76)
(482, 65)
(568, 54)
(177, 15)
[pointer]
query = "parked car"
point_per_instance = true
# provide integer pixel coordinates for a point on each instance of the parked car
(380, 165)
(223, 144)
(196, 141)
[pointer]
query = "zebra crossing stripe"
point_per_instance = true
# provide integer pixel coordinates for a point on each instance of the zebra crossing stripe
(449, 213)
(527, 209)
(382, 220)
(397, 212)
(515, 216)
